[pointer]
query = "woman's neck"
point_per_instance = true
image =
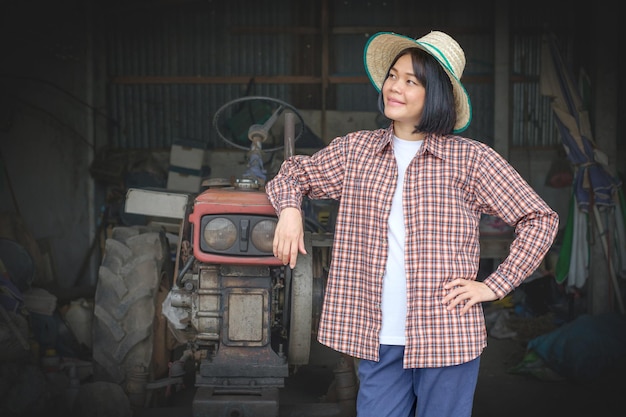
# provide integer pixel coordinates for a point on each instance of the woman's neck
(406, 131)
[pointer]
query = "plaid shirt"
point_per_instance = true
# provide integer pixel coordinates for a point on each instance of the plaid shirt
(450, 182)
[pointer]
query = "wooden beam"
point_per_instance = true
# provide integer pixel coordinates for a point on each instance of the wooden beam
(263, 79)
(502, 85)
(347, 30)
(273, 79)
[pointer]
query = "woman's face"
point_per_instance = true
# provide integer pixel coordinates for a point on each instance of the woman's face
(403, 94)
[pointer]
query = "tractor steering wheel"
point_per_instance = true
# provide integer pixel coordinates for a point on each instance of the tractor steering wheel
(239, 121)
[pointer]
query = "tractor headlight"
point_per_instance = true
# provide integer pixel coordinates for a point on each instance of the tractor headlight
(237, 234)
(263, 235)
(220, 233)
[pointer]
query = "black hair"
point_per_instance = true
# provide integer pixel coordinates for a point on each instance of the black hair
(439, 114)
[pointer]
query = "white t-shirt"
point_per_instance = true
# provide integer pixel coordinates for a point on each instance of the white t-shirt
(394, 282)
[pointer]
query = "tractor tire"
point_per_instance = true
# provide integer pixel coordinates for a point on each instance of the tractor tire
(133, 279)
(301, 307)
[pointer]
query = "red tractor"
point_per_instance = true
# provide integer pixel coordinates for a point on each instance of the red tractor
(219, 299)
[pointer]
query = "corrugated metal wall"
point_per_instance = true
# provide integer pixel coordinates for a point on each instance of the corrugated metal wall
(532, 119)
(189, 42)
(207, 40)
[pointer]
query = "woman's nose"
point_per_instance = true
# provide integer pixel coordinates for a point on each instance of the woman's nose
(395, 87)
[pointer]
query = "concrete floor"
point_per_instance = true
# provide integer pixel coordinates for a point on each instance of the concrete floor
(503, 394)
(308, 393)
(499, 393)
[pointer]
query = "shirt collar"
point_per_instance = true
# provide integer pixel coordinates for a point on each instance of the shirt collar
(385, 140)
(433, 144)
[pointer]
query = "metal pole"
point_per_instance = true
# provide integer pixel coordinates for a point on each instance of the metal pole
(605, 245)
(290, 128)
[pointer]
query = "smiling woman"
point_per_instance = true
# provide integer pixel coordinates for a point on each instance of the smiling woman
(412, 231)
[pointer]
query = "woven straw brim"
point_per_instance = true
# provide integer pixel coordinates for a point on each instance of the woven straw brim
(382, 48)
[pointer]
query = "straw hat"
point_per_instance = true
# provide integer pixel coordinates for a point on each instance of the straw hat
(383, 47)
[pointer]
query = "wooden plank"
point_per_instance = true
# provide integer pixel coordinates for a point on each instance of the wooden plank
(269, 79)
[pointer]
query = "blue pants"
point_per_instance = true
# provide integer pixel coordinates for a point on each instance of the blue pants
(388, 390)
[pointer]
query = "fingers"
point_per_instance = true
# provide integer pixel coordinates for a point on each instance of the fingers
(284, 250)
(293, 256)
(301, 246)
(466, 293)
(293, 251)
(459, 295)
(287, 251)
(289, 237)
